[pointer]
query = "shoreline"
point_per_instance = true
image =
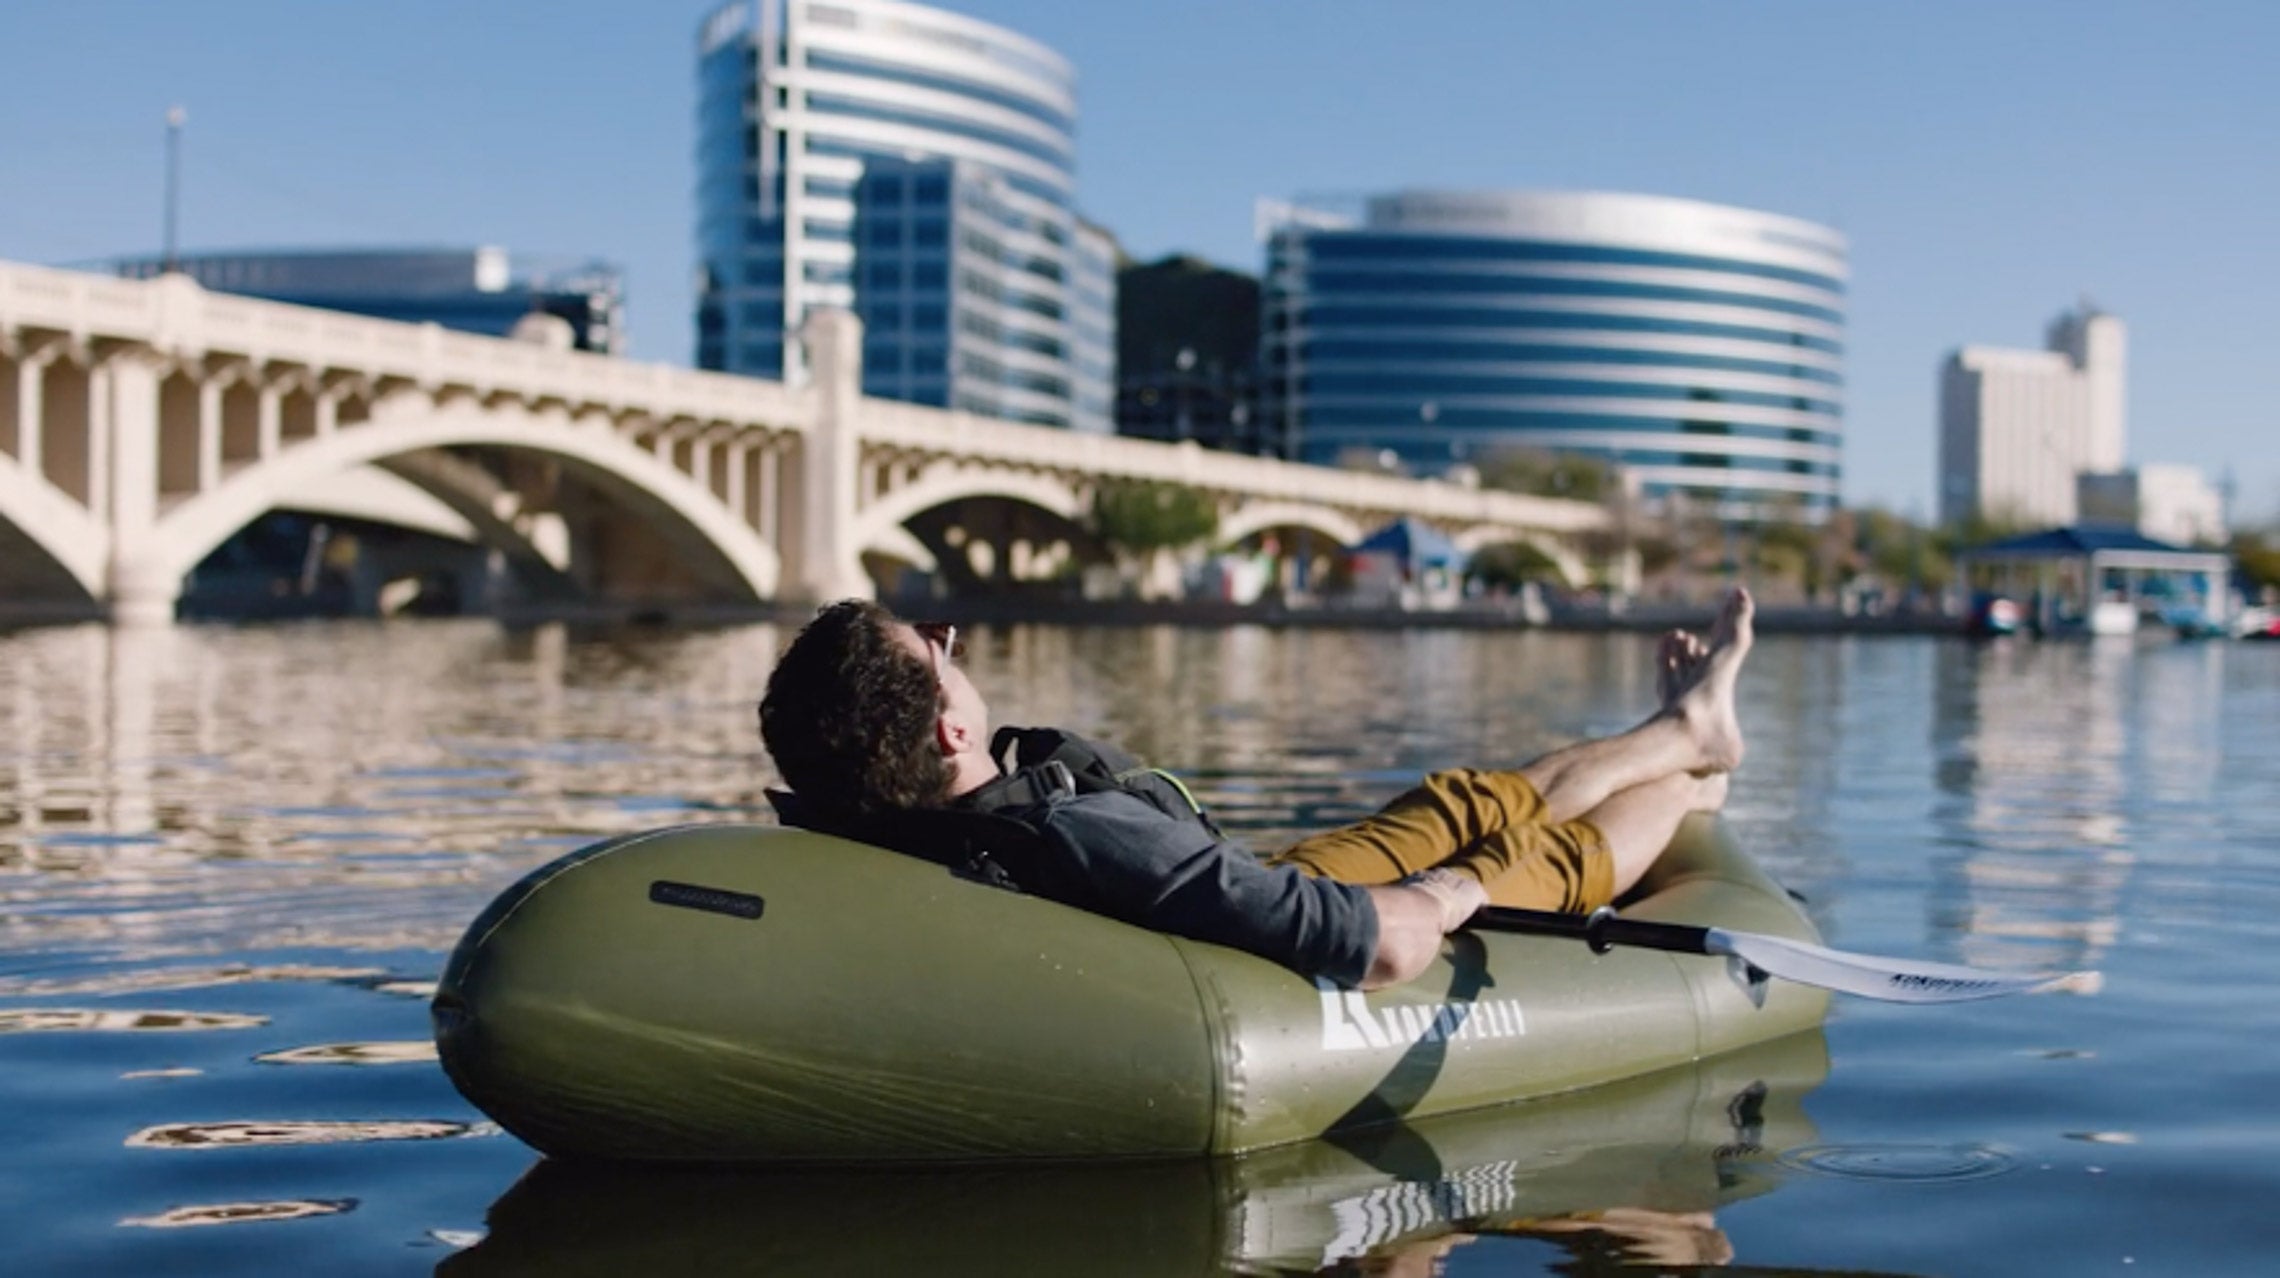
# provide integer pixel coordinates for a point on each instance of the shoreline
(1651, 618)
(1193, 614)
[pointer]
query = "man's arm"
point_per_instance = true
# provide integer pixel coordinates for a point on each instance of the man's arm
(1123, 858)
(1412, 917)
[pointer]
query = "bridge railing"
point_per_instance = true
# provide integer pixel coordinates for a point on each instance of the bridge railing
(176, 316)
(964, 435)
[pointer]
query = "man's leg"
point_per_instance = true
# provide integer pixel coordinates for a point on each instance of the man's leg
(1445, 812)
(1454, 811)
(1585, 863)
(1695, 731)
(1638, 824)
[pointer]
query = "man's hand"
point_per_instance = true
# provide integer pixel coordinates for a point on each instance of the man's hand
(1413, 916)
(1460, 895)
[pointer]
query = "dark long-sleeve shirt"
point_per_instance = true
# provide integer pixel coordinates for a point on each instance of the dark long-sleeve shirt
(1121, 857)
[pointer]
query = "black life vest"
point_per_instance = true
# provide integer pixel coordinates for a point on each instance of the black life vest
(1042, 763)
(988, 834)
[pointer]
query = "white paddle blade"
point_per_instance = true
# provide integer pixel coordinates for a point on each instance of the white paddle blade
(1892, 980)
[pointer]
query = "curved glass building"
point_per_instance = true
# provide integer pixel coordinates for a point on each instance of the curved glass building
(1698, 346)
(918, 167)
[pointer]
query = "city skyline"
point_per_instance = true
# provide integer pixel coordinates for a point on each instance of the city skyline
(1988, 167)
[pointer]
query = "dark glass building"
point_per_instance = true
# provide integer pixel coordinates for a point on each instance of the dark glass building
(1187, 354)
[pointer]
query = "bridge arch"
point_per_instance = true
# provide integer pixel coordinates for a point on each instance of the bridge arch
(472, 493)
(57, 526)
(898, 542)
(1256, 517)
(676, 504)
(884, 525)
(943, 484)
(1474, 540)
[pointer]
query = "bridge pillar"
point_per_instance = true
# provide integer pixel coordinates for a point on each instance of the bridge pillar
(823, 563)
(142, 591)
(31, 404)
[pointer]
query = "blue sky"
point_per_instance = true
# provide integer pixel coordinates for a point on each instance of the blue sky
(1990, 162)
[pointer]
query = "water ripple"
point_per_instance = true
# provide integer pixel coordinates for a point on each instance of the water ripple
(397, 1053)
(250, 1132)
(50, 1019)
(243, 1213)
(1910, 1164)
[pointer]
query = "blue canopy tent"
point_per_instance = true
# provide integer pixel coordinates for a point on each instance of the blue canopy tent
(1414, 544)
(1408, 564)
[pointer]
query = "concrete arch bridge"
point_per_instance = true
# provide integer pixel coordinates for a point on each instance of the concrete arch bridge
(144, 423)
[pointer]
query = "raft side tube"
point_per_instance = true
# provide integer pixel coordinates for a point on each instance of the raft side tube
(1500, 1015)
(878, 1008)
(1690, 1140)
(792, 997)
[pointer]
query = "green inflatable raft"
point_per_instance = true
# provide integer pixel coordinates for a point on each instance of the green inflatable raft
(1588, 1172)
(769, 995)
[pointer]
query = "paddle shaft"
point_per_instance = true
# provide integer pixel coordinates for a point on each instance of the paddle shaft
(1598, 930)
(1889, 979)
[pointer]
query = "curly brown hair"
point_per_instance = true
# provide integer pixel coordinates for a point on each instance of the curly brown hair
(849, 716)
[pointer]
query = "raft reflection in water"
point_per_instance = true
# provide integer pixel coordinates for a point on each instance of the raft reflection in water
(1635, 1166)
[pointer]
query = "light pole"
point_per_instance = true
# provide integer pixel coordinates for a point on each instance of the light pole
(175, 118)
(1183, 426)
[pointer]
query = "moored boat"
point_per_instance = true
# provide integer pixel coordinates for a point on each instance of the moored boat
(760, 994)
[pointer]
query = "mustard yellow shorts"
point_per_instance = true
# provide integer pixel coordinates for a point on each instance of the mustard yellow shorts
(1489, 825)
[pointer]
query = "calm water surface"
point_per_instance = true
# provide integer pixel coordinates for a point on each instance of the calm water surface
(231, 863)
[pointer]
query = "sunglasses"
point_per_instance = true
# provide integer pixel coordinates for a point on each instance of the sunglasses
(942, 643)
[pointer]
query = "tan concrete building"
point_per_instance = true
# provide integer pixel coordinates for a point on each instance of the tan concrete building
(2017, 427)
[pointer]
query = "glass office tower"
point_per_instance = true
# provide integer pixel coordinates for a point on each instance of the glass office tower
(1698, 346)
(917, 167)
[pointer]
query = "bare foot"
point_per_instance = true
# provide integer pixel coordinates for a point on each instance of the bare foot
(1710, 791)
(1706, 704)
(1678, 663)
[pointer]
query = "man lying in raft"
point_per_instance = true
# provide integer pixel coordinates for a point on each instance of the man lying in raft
(879, 732)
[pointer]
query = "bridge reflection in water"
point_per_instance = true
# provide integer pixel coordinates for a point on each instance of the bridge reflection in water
(1634, 1170)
